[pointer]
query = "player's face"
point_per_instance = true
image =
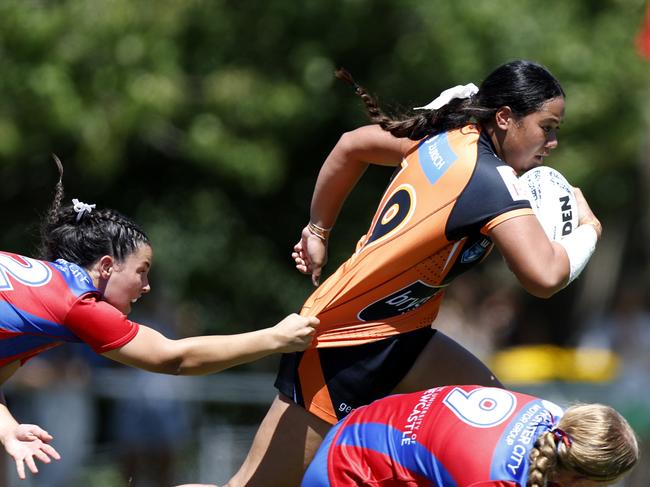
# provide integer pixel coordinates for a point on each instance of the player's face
(129, 279)
(528, 140)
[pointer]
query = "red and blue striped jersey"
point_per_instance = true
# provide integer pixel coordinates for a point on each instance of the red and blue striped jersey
(453, 436)
(44, 304)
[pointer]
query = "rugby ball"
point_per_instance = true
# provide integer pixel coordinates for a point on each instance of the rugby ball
(552, 199)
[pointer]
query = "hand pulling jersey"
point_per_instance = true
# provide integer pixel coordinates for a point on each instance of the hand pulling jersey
(44, 304)
(453, 436)
(431, 225)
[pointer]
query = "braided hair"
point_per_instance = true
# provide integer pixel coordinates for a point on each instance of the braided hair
(82, 237)
(522, 85)
(600, 445)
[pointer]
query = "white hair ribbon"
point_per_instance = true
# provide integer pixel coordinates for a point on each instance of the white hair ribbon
(458, 91)
(80, 208)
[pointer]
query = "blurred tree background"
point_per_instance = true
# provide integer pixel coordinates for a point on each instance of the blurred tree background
(207, 121)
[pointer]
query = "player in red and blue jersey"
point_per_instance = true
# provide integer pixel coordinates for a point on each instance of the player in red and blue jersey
(472, 436)
(95, 266)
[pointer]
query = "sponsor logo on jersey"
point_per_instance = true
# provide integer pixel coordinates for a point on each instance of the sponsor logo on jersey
(405, 300)
(476, 251)
(511, 455)
(436, 157)
(76, 277)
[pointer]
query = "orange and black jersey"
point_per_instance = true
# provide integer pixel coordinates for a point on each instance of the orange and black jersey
(431, 225)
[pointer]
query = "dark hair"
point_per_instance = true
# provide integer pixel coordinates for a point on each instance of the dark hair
(522, 85)
(84, 237)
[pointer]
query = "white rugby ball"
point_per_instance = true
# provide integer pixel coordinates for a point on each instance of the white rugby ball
(552, 199)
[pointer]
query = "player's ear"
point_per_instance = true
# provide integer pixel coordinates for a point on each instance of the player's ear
(105, 265)
(503, 117)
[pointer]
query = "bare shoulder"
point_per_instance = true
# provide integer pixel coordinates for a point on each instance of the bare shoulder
(375, 145)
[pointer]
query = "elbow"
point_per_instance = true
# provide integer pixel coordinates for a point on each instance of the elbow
(172, 359)
(167, 362)
(345, 146)
(346, 141)
(179, 367)
(543, 293)
(544, 285)
(169, 367)
(192, 367)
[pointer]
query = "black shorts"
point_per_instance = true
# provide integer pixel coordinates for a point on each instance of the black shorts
(331, 382)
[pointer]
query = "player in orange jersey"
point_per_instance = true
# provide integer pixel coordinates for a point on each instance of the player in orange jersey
(454, 195)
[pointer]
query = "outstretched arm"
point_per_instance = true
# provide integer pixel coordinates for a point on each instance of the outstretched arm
(200, 355)
(23, 442)
(340, 172)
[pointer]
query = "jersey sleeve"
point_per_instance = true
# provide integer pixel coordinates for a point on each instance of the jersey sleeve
(492, 196)
(100, 325)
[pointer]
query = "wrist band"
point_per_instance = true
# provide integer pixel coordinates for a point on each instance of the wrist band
(320, 232)
(579, 245)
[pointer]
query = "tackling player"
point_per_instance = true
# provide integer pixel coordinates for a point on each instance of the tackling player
(458, 436)
(96, 265)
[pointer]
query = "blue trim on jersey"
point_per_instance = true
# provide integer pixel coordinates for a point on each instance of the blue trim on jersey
(317, 472)
(24, 322)
(510, 458)
(10, 347)
(436, 157)
(76, 277)
(387, 440)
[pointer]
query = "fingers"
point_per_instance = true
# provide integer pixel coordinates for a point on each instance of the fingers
(51, 451)
(28, 444)
(20, 469)
(310, 255)
(33, 432)
(585, 214)
(29, 460)
(308, 338)
(302, 264)
(315, 277)
(296, 332)
(42, 456)
(313, 321)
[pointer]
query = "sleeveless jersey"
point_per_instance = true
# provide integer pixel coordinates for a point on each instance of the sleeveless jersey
(44, 304)
(431, 225)
(453, 436)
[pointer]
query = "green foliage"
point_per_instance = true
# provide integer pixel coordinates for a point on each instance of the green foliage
(208, 120)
